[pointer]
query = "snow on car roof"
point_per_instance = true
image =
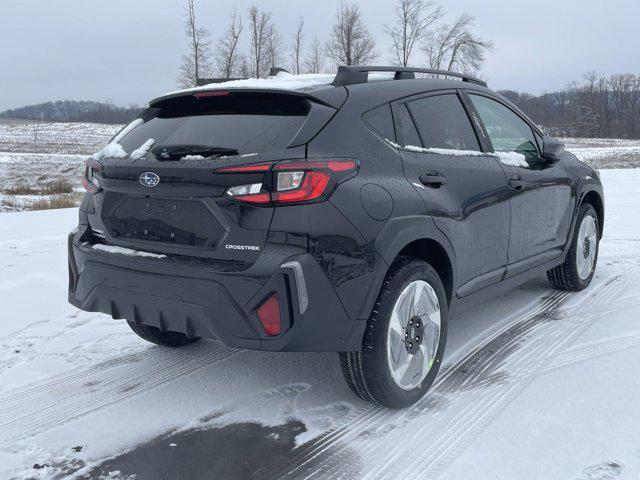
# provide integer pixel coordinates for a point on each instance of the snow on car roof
(282, 81)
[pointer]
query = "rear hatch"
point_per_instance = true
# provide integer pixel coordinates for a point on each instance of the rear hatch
(168, 191)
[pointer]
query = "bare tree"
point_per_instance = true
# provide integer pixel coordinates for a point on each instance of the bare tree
(412, 21)
(275, 48)
(315, 60)
(261, 29)
(296, 54)
(455, 47)
(244, 67)
(227, 55)
(597, 106)
(196, 63)
(350, 42)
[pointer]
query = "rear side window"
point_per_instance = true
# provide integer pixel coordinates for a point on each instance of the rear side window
(380, 121)
(442, 123)
(247, 122)
(507, 131)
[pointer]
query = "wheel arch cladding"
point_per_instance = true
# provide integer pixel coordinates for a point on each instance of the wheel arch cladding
(593, 197)
(417, 237)
(434, 254)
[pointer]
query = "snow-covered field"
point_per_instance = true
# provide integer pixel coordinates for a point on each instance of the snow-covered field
(538, 384)
(605, 152)
(35, 155)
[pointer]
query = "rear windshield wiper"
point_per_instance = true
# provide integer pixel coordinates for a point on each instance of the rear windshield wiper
(176, 152)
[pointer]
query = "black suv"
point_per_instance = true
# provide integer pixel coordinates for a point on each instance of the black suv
(351, 215)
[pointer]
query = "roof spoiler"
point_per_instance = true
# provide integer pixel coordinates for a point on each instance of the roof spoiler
(360, 74)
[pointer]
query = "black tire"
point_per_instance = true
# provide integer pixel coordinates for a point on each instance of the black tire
(367, 372)
(165, 339)
(565, 276)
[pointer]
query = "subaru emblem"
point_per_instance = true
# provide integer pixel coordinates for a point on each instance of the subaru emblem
(149, 179)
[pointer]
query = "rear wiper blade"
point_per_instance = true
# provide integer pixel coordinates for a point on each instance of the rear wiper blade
(176, 152)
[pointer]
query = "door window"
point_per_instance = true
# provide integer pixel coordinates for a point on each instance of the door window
(507, 131)
(442, 123)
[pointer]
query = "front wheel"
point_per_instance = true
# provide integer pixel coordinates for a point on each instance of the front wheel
(580, 264)
(404, 340)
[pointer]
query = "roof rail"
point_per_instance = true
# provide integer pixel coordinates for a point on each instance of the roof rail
(354, 75)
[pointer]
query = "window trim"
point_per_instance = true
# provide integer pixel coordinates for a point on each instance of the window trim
(516, 111)
(402, 103)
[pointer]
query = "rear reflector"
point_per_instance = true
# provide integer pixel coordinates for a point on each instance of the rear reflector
(269, 315)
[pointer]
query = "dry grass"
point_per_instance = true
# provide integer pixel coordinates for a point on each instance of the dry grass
(57, 187)
(45, 202)
(9, 205)
(20, 190)
(55, 201)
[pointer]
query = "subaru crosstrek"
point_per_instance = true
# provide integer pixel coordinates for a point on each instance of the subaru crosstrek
(351, 214)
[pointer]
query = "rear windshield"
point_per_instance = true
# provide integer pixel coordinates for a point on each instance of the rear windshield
(246, 122)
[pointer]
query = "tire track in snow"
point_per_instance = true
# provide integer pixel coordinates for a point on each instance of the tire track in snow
(38, 413)
(61, 380)
(521, 337)
(368, 418)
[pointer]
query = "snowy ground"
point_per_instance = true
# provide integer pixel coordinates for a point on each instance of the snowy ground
(538, 384)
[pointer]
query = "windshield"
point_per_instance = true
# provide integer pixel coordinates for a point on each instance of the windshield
(246, 122)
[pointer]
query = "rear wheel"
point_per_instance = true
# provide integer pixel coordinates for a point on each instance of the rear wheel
(578, 268)
(165, 339)
(404, 340)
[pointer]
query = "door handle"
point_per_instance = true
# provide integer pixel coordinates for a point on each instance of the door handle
(516, 184)
(433, 179)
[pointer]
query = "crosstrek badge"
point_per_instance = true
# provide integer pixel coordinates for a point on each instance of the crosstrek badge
(242, 247)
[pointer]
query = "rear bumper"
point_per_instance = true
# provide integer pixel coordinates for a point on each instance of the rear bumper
(215, 300)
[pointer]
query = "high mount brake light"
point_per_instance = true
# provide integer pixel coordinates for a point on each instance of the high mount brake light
(293, 182)
(211, 93)
(90, 182)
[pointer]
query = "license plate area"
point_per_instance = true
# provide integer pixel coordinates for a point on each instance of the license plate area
(166, 220)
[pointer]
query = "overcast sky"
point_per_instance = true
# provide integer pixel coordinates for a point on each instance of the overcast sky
(128, 51)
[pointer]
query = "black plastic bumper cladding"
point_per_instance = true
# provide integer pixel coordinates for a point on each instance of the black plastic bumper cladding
(208, 302)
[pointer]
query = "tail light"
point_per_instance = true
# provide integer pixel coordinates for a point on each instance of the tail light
(288, 182)
(90, 181)
(269, 315)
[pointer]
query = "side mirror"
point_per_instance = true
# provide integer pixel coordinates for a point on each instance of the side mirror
(552, 149)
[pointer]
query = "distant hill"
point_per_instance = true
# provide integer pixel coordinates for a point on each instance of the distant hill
(74, 111)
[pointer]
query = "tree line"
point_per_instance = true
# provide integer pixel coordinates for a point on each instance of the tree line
(598, 107)
(74, 111)
(417, 25)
